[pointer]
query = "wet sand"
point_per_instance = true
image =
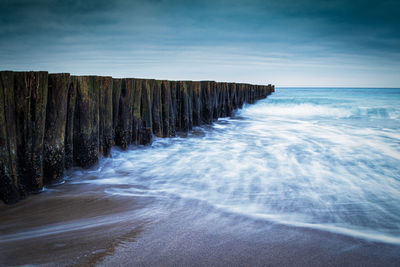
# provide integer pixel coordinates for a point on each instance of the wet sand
(187, 239)
(67, 225)
(79, 225)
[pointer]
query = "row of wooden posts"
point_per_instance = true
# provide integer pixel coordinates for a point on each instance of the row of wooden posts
(51, 122)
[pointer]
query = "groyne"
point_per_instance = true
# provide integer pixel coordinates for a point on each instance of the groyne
(51, 122)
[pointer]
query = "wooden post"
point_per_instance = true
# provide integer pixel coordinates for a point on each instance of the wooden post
(166, 108)
(56, 120)
(106, 115)
(86, 122)
(69, 128)
(157, 108)
(9, 183)
(137, 112)
(146, 129)
(123, 133)
(30, 90)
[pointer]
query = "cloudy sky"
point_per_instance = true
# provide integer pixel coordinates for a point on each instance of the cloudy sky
(287, 43)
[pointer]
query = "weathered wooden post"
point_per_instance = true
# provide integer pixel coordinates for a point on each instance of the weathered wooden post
(56, 120)
(196, 103)
(166, 108)
(30, 90)
(106, 115)
(233, 96)
(137, 112)
(117, 86)
(86, 122)
(206, 103)
(69, 128)
(146, 129)
(123, 133)
(157, 108)
(183, 122)
(9, 182)
(189, 86)
(173, 116)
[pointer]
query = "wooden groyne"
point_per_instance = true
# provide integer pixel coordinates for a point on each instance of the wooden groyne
(51, 122)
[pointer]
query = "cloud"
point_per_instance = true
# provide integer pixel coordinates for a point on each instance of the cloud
(99, 35)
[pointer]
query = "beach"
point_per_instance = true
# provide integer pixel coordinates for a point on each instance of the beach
(306, 177)
(61, 228)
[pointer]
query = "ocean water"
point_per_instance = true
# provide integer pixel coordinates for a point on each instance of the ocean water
(320, 158)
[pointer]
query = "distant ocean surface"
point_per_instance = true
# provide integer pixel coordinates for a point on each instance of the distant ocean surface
(321, 158)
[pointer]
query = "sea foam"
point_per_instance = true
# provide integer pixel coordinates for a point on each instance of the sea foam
(315, 158)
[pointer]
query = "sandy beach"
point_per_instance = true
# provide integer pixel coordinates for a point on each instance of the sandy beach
(77, 225)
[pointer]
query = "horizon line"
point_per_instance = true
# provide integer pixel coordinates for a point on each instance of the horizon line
(339, 87)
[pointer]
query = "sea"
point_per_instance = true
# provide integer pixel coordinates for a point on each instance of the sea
(321, 158)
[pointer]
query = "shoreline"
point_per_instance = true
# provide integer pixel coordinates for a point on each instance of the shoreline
(96, 229)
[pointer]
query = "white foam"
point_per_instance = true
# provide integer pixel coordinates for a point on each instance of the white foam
(297, 111)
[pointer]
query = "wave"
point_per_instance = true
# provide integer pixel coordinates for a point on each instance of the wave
(296, 111)
(363, 233)
(311, 110)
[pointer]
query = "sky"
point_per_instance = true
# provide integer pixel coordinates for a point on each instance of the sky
(282, 42)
